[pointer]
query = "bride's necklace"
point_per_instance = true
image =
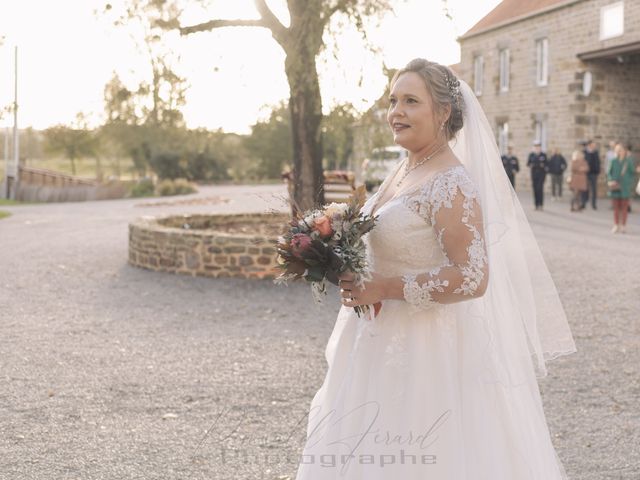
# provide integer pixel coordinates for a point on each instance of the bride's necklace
(407, 170)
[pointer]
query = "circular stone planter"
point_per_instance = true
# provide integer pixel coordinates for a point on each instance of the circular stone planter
(232, 245)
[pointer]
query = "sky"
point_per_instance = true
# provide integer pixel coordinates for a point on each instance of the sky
(67, 53)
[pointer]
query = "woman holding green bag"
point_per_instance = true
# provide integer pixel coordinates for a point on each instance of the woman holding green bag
(620, 179)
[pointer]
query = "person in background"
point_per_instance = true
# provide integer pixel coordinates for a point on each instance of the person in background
(633, 162)
(610, 155)
(620, 183)
(592, 157)
(578, 179)
(557, 166)
(538, 163)
(511, 165)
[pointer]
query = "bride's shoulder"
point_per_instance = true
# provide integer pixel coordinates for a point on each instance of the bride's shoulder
(441, 189)
(446, 182)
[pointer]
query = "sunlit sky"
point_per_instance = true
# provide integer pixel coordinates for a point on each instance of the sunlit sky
(67, 53)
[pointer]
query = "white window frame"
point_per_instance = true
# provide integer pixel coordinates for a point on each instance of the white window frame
(503, 137)
(505, 58)
(542, 62)
(612, 17)
(478, 74)
(541, 134)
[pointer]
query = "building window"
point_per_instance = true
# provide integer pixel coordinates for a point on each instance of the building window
(504, 70)
(612, 20)
(587, 83)
(541, 134)
(503, 137)
(478, 73)
(542, 61)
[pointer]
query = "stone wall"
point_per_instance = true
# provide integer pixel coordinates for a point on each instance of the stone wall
(610, 112)
(237, 245)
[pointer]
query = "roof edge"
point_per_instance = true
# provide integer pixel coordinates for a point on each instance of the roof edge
(612, 51)
(504, 23)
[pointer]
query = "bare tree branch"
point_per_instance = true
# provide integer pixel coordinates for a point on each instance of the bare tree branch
(341, 5)
(278, 30)
(211, 24)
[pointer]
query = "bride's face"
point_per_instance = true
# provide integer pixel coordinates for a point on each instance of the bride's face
(411, 115)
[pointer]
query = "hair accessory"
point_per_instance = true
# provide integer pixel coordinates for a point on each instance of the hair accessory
(454, 88)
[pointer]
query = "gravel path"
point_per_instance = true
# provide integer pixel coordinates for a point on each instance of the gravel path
(112, 372)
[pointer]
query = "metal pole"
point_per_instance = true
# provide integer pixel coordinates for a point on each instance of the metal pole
(16, 134)
(5, 194)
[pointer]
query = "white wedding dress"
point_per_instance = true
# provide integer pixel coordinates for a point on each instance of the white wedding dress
(418, 392)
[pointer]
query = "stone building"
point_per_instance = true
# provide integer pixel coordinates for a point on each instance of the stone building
(558, 71)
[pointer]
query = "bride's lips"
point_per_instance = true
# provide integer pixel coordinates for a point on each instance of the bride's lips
(398, 127)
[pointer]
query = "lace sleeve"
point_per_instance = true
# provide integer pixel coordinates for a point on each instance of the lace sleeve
(450, 205)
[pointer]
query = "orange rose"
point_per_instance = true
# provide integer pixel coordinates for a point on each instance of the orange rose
(323, 226)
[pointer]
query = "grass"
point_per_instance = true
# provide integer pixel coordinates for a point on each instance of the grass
(4, 201)
(4, 214)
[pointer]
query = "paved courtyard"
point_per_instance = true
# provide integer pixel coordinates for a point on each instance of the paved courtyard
(112, 372)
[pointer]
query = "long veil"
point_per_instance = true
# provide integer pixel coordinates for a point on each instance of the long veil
(521, 305)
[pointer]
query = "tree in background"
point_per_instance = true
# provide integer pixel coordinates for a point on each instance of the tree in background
(145, 121)
(159, 99)
(211, 155)
(270, 145)
(73, 142)
(302, 42)
(338, 135)
(371, 130)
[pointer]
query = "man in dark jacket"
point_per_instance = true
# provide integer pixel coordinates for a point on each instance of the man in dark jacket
(539, 164)
(511, 166)
(557, 166)
(592, 157)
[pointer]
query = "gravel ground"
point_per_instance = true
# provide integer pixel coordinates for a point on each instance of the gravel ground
(113, 372)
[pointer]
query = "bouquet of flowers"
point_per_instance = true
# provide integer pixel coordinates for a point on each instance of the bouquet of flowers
(323, 243)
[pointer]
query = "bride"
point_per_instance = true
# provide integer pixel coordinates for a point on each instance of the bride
(438, 381)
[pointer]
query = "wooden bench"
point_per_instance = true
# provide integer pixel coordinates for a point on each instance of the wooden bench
(339, 185)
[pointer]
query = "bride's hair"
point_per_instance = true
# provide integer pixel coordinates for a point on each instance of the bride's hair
(444, 87)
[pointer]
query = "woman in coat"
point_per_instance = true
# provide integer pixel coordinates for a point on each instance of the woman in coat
(578, 179)
(620, 183)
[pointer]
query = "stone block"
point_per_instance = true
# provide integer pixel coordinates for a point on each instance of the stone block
(245, 260)
(265, 260)
(221, 259)
(192, 260)
(166, 262)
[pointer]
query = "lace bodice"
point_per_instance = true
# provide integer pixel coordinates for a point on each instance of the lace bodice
(432, 236)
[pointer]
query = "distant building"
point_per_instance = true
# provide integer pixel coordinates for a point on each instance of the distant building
(557, 71)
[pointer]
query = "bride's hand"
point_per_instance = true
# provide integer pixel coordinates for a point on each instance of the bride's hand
(352, 295)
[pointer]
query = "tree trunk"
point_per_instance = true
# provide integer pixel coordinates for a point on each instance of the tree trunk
(305, 105)
(307, 147)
